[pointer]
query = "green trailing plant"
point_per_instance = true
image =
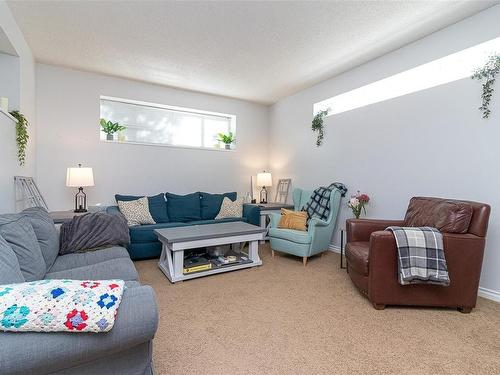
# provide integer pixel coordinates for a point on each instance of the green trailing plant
(487, 75)
(110, 127)
(317, 126)
(22, 135)
(226, 138)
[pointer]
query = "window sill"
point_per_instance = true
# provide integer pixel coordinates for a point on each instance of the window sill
(169, 146)
(9, 116)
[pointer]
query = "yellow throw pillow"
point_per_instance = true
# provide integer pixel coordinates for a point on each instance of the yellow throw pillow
(293, 220)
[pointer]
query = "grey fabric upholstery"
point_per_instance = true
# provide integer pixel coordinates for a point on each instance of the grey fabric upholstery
(10, 272)
(46, 233)
(121, 268)
(18, 232)
(43, 353)
(75, 260)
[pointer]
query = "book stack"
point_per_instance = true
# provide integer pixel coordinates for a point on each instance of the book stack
(196, 264)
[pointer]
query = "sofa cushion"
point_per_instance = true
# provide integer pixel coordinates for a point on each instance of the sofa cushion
(184, 208)
(145, 233)
(75, 260)
(136, 212)
(121, 268)
(356, 254)
(157, 205)
(231, 208)
(10, 272)
(211, 203)
(448, 216)
(18, 232)
(46, 233)
(296, 236)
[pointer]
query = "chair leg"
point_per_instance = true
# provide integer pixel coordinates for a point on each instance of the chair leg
(376, 306)
(304, 260)
(272, 253)
(465, 310)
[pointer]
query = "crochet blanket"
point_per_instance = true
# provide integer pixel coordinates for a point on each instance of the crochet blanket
(60, 305)
(93, 231)
(319, 203)
(420, 256)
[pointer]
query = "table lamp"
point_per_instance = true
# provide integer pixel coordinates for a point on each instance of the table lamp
(264, 179)
(80, 177)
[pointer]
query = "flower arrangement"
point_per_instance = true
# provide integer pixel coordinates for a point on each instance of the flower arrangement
(358, 203)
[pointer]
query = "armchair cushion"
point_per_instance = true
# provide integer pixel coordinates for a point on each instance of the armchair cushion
(293, 220)
(448, 216)
(296, 236)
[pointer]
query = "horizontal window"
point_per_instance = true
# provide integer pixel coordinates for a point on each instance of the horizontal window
(149, 123)
(438, 72)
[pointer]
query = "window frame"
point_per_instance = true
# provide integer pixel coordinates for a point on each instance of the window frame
(230, 117)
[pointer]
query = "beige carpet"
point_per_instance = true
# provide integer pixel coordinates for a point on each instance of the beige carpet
(284, 318)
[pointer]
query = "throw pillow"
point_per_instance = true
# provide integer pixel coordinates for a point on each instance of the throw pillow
(293, 220)
(211, 203)
(157, 205)
(10, 271)
(46, 233)
(136, 212)
(184, 208)
(18, 232)
(230, 208)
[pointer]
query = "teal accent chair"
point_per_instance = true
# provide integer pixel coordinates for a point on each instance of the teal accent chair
(318, 235)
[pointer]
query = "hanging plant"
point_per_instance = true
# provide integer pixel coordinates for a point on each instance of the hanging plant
(317, 126)
(22, 135)
(487, 74)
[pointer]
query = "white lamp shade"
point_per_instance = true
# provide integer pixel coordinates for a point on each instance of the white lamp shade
(79, 177)
(264, 179)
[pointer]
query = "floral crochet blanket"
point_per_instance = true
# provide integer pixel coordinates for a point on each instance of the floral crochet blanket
(60, 305)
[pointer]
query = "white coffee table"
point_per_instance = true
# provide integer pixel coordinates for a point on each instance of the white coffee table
(176, 240)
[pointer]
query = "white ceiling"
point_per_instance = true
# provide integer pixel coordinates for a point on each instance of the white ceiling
(257, 51)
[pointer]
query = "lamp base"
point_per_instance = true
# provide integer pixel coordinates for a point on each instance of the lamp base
(263, 195)
(79, 210)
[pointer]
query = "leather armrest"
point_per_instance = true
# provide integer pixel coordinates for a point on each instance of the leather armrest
(361, 229)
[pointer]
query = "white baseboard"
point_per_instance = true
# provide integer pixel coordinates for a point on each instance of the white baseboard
(334, 248)
(490, 294)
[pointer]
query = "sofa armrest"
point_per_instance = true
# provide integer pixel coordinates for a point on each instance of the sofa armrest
(113, 210)
(361, 229)
(40, 353)
(252, 213)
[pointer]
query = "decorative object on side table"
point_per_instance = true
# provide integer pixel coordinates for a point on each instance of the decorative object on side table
(227, 139)
(110, 128)
(358, 203)
(80, 177)
(264, 179)
(282, 190)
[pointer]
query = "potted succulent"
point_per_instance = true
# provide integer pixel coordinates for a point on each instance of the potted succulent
(227, 139)
(110, 128)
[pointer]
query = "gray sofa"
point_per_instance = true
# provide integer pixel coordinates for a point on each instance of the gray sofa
(29, 245)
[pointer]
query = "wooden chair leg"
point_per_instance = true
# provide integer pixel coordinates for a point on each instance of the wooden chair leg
(378, 307)
(272, 253)
(304, 260)
(465, 310)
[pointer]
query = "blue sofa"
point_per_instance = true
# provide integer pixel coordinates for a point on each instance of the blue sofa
(172, 210)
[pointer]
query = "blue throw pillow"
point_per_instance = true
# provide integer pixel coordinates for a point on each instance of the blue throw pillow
(210, 204)
(183, 208)
(157, 206)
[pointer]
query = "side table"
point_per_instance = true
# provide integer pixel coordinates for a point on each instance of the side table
(60, 217)
(268, 208)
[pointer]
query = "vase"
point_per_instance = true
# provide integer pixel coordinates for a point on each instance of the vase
(110, 137)
(228, 146)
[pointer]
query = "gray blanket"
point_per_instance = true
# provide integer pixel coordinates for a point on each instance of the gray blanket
(93, 231)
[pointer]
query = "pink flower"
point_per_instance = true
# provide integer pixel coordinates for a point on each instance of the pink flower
(363, 198)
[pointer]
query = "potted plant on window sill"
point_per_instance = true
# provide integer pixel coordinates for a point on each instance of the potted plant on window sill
(110, 128)
(227, 139)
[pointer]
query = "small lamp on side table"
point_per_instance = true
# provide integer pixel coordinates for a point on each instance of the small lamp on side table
(264, 179)
(80, 177)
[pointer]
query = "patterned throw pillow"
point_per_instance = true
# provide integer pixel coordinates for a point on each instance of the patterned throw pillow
(293, 220)
(230, 208)
(136, 212)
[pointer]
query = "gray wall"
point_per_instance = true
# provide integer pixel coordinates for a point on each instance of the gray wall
(68, 133)
(433, 142)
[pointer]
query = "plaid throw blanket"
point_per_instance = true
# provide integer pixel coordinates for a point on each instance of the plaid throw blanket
(420, 256)
(319, 203)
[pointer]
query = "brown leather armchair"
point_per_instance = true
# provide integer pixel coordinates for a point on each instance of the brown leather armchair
(371, 254)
